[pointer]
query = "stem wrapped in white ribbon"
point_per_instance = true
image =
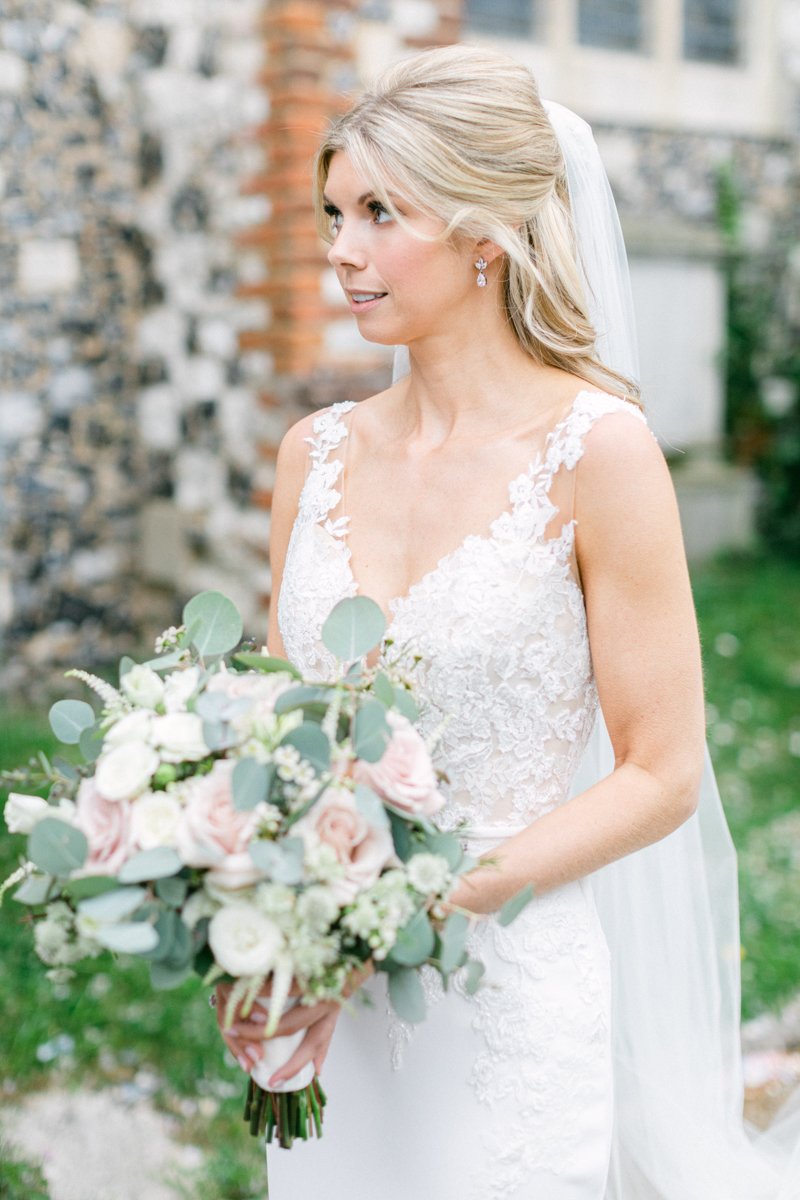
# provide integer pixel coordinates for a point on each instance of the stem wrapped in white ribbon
(277, 1052)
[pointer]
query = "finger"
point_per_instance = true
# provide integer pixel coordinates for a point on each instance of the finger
(301, 1017)
(314, 1047)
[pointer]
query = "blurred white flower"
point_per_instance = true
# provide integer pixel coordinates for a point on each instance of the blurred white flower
(428, 873)
(135, 727)
(318, 908)
(179, 737)
(143, 686)
(198, 905)
(179, 686)
(243, 940)
(125, 770)
(154, 819)
(22, 812)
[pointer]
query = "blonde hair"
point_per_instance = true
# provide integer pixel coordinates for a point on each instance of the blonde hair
(461, 133)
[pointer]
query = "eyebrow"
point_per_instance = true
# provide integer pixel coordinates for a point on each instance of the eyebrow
(361, 199)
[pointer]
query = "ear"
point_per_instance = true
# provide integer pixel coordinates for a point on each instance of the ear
(489, 250)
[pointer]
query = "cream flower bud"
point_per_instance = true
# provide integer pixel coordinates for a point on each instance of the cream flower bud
(143, 687)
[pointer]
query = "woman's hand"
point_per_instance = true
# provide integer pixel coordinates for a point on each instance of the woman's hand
(245, 1038)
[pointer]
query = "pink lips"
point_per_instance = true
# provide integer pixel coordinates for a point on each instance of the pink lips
(355, 307)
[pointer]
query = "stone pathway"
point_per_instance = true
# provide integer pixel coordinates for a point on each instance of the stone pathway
(94, 1146)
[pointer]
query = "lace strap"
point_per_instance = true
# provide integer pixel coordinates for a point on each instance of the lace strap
(566, 443)
(320, 495)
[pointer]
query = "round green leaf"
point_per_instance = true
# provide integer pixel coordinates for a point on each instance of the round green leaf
(513, 907)
(69, 718)
(281, 862)
(453, 938)
(266, 663)
(91, 742)
(404, 702)
(474, 973)
(383, 689)
(353, 627)
(112, 906)
(56, 847)
(215, 622)
(172, 890)
(415, 941)
(157, 863)
(406, 995)
(35, 890)
(251, 783)
(401, 835)
(370, 804)
(164, 976)
(371, 731)
(133, 937)
(311, 743)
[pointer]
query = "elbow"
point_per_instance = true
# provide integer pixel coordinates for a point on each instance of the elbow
(682, 786)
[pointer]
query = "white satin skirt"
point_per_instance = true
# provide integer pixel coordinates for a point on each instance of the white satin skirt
(504, 1095)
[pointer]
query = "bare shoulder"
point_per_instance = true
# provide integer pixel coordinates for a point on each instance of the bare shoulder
(624, 492)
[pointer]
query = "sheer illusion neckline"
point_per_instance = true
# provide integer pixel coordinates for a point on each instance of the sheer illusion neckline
(544, 465)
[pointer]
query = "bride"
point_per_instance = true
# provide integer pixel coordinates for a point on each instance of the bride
(506, 504)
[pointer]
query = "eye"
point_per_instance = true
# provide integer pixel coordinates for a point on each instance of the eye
(335, 217)
(378, 210)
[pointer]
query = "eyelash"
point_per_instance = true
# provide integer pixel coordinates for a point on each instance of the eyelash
(374, 206)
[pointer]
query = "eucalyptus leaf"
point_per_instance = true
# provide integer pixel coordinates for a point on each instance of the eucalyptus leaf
(453, 940)
(134, 937)
(125, 664)
(66, 769)
(112, 906)
(280, 861)
(371, 732)
(56, 847)
(383, 690)
(406, 995)
(251, 783)
(473, 973)
(311, 743)
(157, 863)
(35, 889)
(69, 718)
(165, 662)
(172, 890)
(91, 742)
(401, 836)
(513, 907)
(216, 735)
(405, 703)
(267, 663)
(219, 623)
(448, 846)
(353, 627)
(211, 706)
(371, 806)
(301, 697)
(164, 976)
(415, 941)
(88, 886)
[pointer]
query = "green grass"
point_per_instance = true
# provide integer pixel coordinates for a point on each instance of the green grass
(114, 1029)
(748, 612)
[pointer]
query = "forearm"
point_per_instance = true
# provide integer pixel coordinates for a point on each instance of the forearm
(624, 812)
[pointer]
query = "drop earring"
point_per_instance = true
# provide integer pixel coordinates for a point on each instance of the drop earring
(481, 265)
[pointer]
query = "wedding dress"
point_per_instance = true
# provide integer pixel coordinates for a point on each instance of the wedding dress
(509, 1093)
(600, 1060)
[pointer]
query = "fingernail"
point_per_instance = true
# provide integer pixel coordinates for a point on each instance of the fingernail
(275, 1080)
(243, 1063)
(259, 1018)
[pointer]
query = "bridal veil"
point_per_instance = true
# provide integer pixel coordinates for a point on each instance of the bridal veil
(670, 912)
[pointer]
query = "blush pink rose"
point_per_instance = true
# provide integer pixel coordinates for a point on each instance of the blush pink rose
(362, 849)
(107, 826)
(212, 833)
(404, 775)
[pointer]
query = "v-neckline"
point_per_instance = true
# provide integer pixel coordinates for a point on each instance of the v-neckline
(396, 603)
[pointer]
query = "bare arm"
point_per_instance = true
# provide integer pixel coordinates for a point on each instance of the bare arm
(290, 472)
(646, 656)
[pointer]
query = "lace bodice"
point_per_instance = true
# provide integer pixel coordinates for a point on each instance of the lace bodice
(499, 622)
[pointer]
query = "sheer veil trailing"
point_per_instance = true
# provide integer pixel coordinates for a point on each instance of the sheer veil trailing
(670, 912)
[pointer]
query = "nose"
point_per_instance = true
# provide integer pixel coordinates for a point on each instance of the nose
(345, 249)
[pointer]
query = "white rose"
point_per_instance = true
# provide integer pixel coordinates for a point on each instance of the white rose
(22, 812)
(154, 819)
(243, 940)
(135, 727)
(428, 873)
(179, 686)
(179, 737)
(143, 687)
(125, 771)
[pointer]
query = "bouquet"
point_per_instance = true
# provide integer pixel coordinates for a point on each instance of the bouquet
(229, 818)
